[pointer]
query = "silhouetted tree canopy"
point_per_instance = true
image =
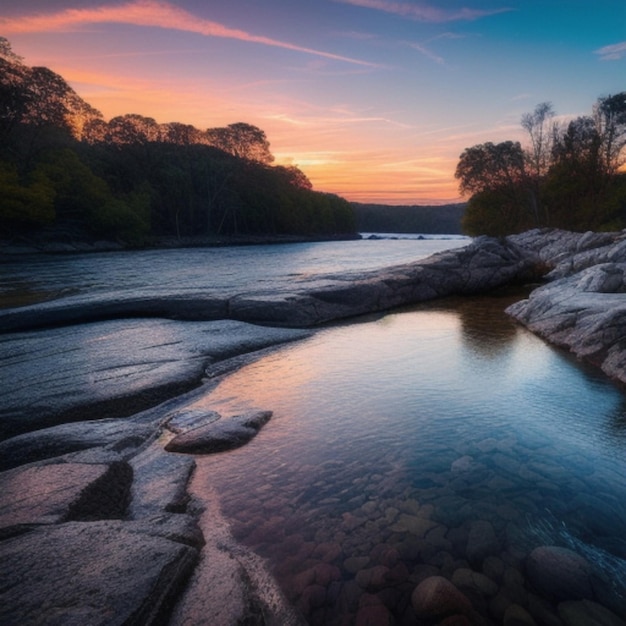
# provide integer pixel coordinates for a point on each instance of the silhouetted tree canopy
(131, 177)
(569, 176)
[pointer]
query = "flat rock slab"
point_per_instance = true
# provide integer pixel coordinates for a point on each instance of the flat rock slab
(160, 482)
(56, 492)
(96, 573)
(74, 437)
(121, 366)
(220, 435)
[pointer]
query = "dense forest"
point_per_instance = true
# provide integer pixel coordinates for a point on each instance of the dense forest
(63, 167)
(571, 175)
(381, 218)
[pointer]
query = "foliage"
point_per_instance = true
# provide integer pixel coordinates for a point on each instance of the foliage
(569, 177)
(131, 177)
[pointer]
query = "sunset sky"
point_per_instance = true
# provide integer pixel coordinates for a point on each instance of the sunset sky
(372, 99)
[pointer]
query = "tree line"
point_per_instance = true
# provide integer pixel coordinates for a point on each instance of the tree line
(568, 176)
(62, 165)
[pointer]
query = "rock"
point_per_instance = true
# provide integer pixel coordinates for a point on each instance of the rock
(373, 612)
(482, 542)
(52, 493)
(412, 524)
(66, 438)
(224, 434)
(188, 419)
(437, 597)
(464, 578)
(92, 573)
(515, 615)
(355, 563)
(115, 367)
(559, 573)
(160, 482)
(585, 612)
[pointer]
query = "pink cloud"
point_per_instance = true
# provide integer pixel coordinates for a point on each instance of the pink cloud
(151, 13)
(423, 12)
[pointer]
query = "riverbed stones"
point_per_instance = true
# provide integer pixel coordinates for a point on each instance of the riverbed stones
(559, 573)
(220, 435)
(585, 612)
(437, 598)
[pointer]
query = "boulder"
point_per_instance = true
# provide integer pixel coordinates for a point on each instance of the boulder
(103, 572)
(221, 435)
(559, 573)
(63, 439)
(436, 598)
(585, 612)
(52, 493)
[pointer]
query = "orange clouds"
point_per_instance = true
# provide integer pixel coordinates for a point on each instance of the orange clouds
(152, 13)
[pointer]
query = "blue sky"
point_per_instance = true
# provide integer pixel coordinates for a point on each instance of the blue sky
(373, 99)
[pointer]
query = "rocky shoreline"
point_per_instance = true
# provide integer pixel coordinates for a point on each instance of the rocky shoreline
(96, 522)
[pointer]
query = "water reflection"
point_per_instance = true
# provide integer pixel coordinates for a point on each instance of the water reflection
(441, 441)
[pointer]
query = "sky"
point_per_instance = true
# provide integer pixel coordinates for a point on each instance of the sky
(374, 100)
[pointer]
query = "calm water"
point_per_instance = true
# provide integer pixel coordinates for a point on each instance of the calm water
(440, 440)
(396, 442)
(229, 270)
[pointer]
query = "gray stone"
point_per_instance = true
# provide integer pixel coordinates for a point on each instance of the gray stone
(66, 438)
(515, 615)
(160, 482)
(482, 542)
(437, 597)
(224, 434)
(118, 366)
(586, 612)
(52, 493)
(559, 573)
(106, 572)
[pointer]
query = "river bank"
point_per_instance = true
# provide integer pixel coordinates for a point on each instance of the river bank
(147, 505)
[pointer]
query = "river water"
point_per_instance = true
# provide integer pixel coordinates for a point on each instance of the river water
(438, 440)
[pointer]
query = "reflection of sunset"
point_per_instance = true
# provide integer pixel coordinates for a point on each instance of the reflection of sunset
(374, 101)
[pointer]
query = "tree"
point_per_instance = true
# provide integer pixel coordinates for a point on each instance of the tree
(488, 166)
(609, 115)
(541, 129)
(241, 140)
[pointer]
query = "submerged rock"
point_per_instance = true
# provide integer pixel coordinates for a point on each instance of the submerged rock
(436, 597)
(559, 573)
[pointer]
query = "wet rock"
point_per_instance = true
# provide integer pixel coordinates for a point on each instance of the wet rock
(437, 597)
(355, 563)
(372, 612)
(64, 568)
(221, 435)
(188, 419)
(412, 524)
(52, 493)
(66, 438)
(160, 482)
(559, 573)
(474, 581)
(586, 612)
(516, 615)
(373, 578)
(481, 542)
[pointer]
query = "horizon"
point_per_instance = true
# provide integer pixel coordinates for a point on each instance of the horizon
(373, 100)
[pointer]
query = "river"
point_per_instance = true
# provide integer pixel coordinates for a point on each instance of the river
(438, 440)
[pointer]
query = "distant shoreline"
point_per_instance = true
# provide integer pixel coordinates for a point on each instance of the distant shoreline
(27, 246)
